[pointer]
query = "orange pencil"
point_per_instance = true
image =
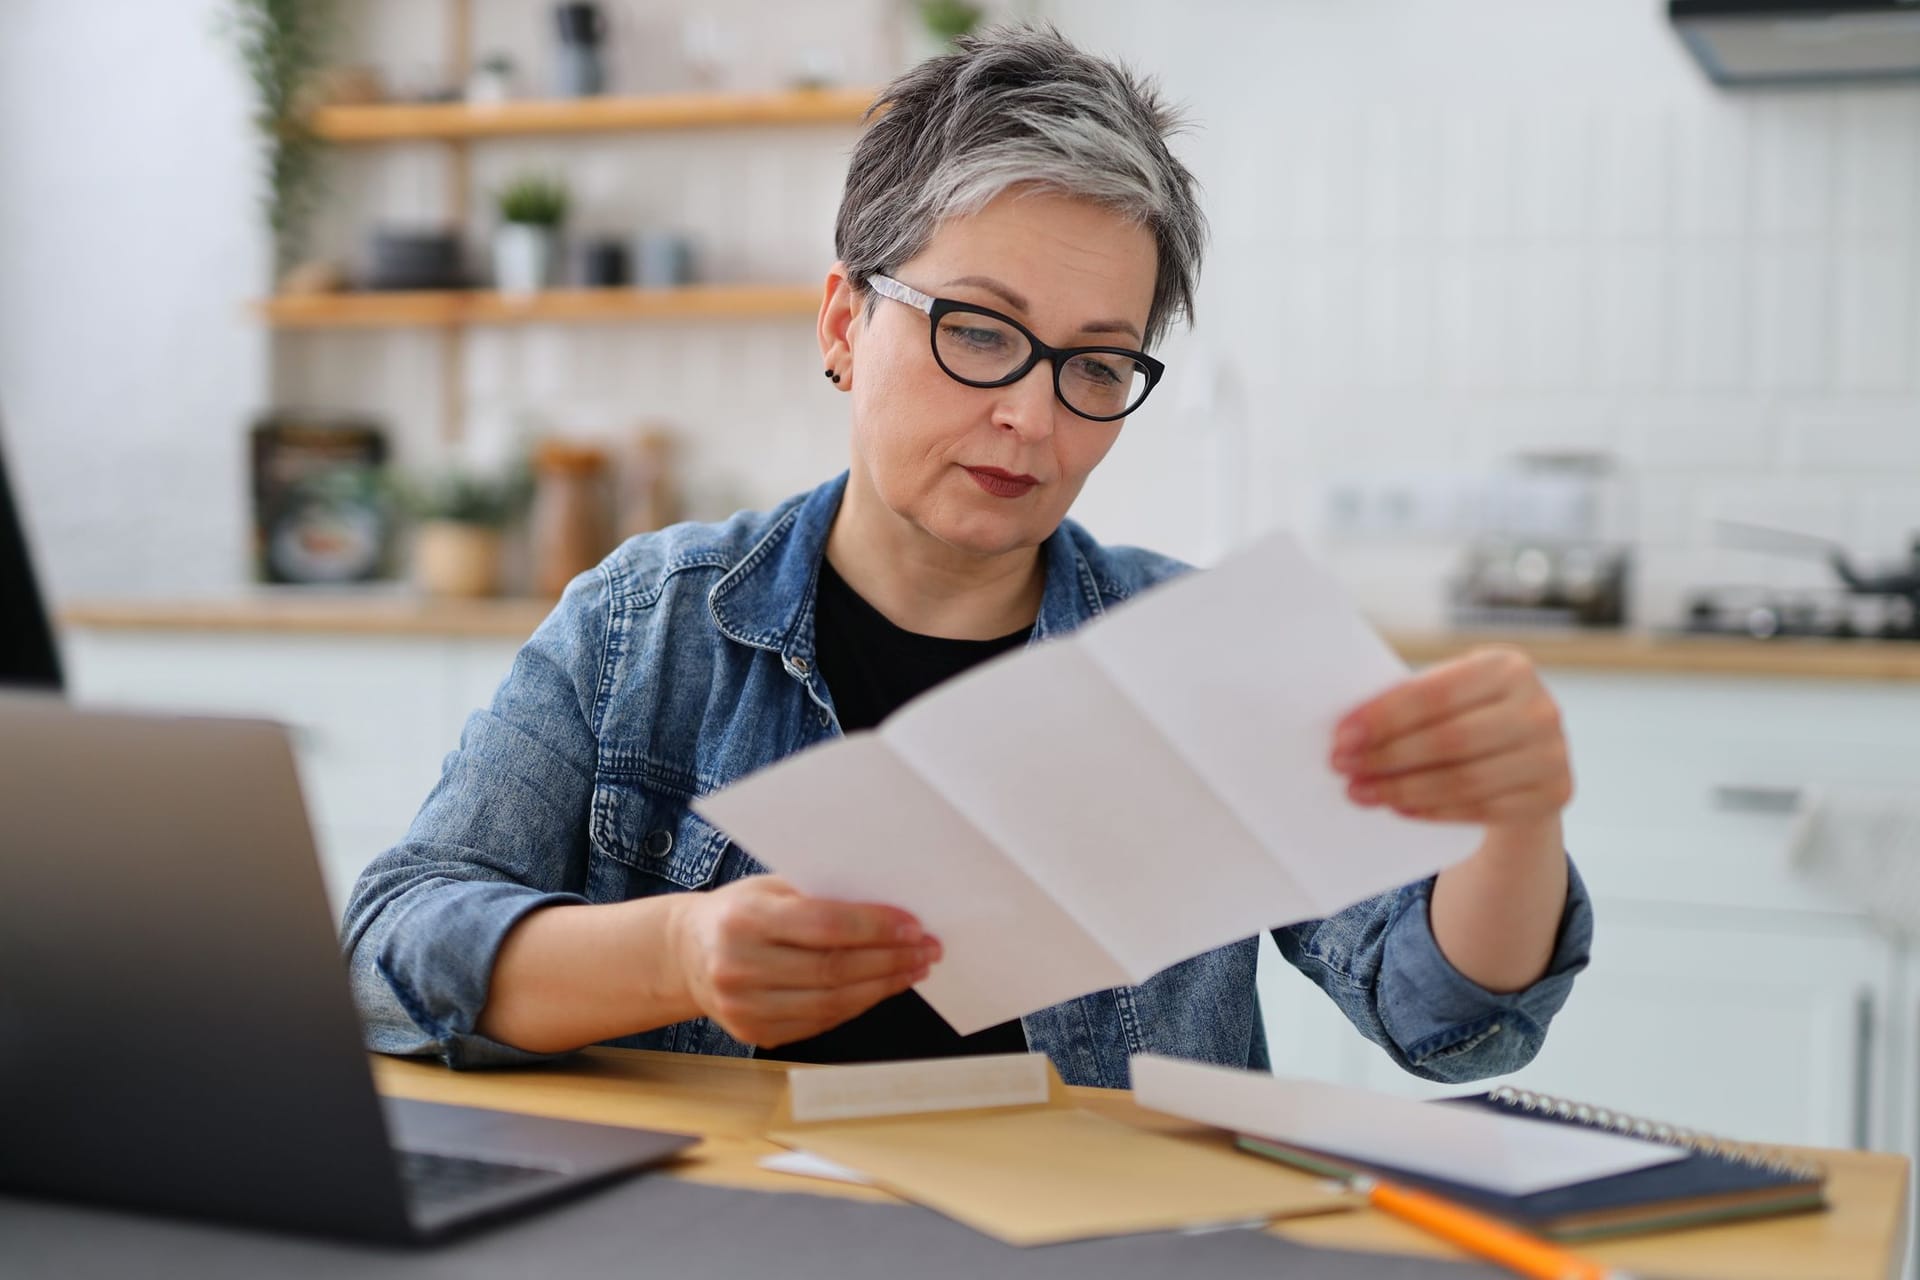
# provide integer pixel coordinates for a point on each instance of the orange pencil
(1476, 1233)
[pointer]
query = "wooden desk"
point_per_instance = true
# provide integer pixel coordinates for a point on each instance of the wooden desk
(727, 1101)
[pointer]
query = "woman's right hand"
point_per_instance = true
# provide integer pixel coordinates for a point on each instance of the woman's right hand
(772, 966)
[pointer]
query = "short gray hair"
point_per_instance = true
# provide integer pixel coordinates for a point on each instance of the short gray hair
(1019, 105)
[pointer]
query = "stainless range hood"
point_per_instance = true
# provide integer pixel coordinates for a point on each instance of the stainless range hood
(1785, 42)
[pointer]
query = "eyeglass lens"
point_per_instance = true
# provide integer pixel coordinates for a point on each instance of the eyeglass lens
(978, 348)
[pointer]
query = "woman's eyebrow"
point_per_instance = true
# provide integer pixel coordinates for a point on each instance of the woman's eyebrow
(1019, 303)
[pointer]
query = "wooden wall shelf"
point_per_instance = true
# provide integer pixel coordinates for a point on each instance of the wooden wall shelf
(380, 310)
(449, 121)
(456, 127)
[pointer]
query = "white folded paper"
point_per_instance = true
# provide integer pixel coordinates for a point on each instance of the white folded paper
(1510, 1155)
(1084, 813)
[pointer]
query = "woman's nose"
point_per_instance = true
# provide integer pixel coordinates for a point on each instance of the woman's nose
(1026, 407)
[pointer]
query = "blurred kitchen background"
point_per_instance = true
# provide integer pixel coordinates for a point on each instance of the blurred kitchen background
(1523, 319)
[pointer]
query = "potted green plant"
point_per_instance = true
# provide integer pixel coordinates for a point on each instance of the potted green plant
(459, 535)
(525, 246)
(283, 46)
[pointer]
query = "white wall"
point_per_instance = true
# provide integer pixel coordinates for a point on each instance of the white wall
(1443, 233)
(128, 240)
(1446, 232)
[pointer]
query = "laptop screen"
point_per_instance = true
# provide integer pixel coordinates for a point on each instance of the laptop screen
(27, 654)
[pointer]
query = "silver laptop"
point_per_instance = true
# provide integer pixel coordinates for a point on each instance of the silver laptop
(176, 1030)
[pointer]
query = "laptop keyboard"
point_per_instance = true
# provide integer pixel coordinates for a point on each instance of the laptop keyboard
(433, 1179)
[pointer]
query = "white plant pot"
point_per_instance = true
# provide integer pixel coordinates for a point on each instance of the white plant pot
(523, 257)
(488, 87)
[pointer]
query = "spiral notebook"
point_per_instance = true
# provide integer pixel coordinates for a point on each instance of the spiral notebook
(1716, 1181)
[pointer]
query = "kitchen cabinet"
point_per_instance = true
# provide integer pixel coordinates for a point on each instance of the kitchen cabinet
(372, 717)
(1688, 790)
(1766, 1035)
(1778, 1010)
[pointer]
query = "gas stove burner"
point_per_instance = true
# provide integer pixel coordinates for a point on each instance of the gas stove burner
(1766, 614)
(1873, 604)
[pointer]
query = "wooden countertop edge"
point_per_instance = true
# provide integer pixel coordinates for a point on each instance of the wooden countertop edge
(504, 618)
(515, 619)
(1681, 654)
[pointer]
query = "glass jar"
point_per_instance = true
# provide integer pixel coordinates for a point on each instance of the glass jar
(570, 525)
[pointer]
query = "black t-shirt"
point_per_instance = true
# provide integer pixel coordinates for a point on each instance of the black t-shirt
(870, 667)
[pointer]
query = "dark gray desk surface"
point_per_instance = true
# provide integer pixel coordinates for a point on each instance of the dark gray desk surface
(661, 1227)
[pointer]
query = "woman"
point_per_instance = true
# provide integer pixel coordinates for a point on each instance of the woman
(1014, 233)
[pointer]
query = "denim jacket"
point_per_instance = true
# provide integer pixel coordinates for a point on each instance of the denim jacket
(686, 661)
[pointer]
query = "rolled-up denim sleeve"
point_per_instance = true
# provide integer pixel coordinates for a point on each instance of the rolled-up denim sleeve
(502, 834)
(1380, 963)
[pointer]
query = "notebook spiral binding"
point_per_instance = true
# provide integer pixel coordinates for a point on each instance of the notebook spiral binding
(1746, 1153)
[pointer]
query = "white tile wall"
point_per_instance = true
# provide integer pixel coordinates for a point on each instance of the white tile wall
(1633, 348)
(1632, 157)
(1873, 316)
(1793, 164)
(1875, 193)
(1876, 437)
(1794, 338)
(1566, 238)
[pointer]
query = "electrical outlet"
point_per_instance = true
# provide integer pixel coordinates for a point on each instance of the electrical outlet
(1401, 507)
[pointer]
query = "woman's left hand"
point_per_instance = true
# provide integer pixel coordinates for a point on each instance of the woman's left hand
(1477, 739)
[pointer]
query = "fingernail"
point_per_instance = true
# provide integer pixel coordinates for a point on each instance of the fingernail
(1350, 738)
(1364, 793)
(906, 932)
(1345, 760)
(929, 952)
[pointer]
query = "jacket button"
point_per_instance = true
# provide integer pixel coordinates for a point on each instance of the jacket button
(801, 666)
(659, 843)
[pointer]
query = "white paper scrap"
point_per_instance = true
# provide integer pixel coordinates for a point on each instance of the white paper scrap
(1082, 814)
(1506, 1154)
(805, 1164)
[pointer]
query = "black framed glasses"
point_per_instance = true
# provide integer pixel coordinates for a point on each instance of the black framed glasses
(980, 347)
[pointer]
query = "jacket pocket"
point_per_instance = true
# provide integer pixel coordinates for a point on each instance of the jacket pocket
(650, 829)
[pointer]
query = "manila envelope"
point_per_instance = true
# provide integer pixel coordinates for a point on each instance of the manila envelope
(998, 1144)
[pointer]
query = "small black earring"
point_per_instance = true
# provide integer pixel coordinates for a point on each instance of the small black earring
(826, 373)
(834, 376)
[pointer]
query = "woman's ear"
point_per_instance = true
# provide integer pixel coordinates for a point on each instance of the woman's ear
(839, 318)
